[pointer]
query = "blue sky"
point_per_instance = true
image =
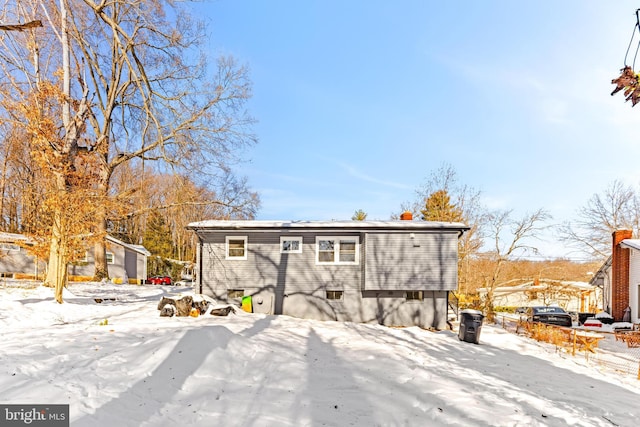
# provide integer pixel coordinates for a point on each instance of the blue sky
(358, 102)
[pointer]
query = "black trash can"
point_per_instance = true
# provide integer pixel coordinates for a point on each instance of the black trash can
(470, 326)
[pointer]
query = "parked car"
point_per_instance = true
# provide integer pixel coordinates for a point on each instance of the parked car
(184, 282)
(549, 315)
(160, 280)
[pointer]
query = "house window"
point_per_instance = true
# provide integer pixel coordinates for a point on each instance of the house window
(236, 247)
(290, 245)
(9, 247)
(110, 258)
(79, 256)
(414, 296)
(334, 295)
(235, 293)
(337, 250)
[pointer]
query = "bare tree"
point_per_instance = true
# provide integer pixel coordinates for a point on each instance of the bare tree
(465, 202)
(150, 101)
(113, 82)
(617, 208)
(510, 239)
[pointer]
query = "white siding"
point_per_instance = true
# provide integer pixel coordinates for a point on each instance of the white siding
(634, 283)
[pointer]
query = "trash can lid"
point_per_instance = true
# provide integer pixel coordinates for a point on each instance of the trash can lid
(470, 311)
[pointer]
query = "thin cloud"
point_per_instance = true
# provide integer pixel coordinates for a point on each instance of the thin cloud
(364, 177)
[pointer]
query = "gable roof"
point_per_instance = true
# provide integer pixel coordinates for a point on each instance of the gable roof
(136, 248)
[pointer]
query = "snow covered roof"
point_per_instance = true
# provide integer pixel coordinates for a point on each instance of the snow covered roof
(543, 284)
(381, 225)
(13, 237)
(631, 244)
(136, 248)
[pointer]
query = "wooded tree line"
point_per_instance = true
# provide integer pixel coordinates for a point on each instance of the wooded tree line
(114, 121)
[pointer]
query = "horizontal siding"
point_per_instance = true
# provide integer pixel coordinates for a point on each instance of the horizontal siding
(411, 261)
(265, 266)
(374, 291)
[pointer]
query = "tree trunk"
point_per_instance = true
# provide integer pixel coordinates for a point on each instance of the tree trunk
(101, 270)
(57, 267)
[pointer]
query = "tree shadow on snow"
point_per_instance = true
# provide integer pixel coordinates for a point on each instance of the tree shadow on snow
(147, 397)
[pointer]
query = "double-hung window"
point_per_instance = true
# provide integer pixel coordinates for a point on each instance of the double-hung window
(337, 250)
(236, 247)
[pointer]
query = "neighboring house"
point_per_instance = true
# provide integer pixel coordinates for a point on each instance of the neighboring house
(15, 261)
(395, 273)
(124, 261)
(572, 296)
(619, 278)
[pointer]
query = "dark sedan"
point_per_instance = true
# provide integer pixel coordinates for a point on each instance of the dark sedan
(549, 315)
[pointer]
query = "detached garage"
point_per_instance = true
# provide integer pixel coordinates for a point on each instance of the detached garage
(396, 273)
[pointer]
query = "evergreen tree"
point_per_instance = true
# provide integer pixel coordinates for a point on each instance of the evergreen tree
(157, 236)
(438, 207)
(359, 215)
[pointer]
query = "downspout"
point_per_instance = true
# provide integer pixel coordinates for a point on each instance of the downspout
(199, 269)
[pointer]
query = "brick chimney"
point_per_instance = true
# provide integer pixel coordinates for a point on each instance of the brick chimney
(406, 216)
(619, 275)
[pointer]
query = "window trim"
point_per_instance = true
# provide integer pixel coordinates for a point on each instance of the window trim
(293, 239)
(336, 250)
(417, 296)
(106, 257)
(226, 248)
(334, 294)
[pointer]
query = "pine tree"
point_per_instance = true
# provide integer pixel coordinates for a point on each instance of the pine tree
(438, 207)
(157, 236)
(359, 215)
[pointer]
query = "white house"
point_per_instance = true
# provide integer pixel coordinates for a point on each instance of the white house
(619, 278)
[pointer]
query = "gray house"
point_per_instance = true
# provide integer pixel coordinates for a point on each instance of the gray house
(124, 261)
(395, 273)
(16, 261)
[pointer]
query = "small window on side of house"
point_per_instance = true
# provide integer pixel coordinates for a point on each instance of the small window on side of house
(110, 258)
(236, 247)
(290, 245)
(334, 295)
(235, 293)
(414, 296)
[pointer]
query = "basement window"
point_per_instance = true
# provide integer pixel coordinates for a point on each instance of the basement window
(414, 296)
(236, 247)
(235, 293)
(334, 295)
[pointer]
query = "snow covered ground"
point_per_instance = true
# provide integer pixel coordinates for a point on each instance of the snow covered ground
(117, 363)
